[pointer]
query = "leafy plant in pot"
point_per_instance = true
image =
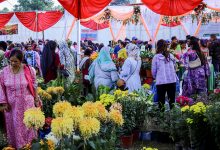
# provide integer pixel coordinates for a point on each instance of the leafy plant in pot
(129, 112)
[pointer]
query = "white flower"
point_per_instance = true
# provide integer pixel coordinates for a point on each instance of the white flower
(52, 137)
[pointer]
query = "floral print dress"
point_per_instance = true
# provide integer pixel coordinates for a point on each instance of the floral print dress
(195, 80)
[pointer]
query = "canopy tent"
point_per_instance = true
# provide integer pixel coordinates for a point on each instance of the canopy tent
(171, 7)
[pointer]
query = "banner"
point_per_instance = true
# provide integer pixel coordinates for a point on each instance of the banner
(9, 30)
(87, 34)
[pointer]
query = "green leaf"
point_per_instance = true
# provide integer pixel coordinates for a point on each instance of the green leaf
(92, 144)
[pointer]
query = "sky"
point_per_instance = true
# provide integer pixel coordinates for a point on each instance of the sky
(9, 4)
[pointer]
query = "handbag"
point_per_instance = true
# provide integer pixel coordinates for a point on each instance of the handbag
(195, 63)
(121, 84)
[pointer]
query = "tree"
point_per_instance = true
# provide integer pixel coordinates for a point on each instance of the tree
(120, 2)
(30, 5)
(4, 10)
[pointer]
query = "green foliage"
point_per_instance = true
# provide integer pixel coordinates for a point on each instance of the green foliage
(213, 116)
(30, 5)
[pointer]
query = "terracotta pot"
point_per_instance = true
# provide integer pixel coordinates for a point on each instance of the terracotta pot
(149, 74)
(136, 135)
(126, 141)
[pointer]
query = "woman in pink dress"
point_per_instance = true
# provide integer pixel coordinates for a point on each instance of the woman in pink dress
(17, 94)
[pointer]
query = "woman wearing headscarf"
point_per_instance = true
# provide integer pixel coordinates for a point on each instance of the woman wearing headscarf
(103, 70)
(67, 60)
(50, 62)
(130, 73)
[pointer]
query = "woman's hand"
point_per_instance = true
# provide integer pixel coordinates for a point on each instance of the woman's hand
(6, 107)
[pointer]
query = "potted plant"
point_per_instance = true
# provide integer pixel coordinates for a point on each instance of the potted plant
(129, 113)
(213, 118)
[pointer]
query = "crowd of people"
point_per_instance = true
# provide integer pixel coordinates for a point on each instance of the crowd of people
(21, 63)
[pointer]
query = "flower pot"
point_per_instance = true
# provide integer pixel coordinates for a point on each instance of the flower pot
(149, 74)
(145, 136)
(126, 141)
(136, 135)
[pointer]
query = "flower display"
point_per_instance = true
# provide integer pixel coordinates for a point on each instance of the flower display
(116, 117)
(76, 114)
(146, 86)
(34, 118)
(102, 112)
(94, 56)
(60, 107)
(89, 127)
(90, 109)
(62, 126)
(107, 99)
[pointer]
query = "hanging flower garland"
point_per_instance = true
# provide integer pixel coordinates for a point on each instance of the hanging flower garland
(134, 19)
(200, 13)
(170, 20)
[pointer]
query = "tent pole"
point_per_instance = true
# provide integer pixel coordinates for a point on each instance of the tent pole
(78, 36)
(37, 26)
(79, 44)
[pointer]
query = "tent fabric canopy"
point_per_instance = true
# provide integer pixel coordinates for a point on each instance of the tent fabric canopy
(39, 21)
(5, 18)
(171, 7)
(2, 1)
(84, 9)
(91, 24)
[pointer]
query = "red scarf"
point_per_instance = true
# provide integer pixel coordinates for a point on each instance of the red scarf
(28, 76)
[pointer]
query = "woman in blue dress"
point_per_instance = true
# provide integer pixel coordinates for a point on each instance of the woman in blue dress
(103, 70)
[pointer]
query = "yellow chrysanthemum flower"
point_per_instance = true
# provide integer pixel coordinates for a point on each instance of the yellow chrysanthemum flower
(62, 126)
(185, 108)
(189, 121)
(50, 90)
(116, 117)
(59, 90)
(146, 86)
(76, 114)
(107, 99)
(90, 109)
(133, 94)
(60, 107)
(40, 90)
(120, 94)
(102, 112)
(89, 127)
(198, 108)
(34, 117)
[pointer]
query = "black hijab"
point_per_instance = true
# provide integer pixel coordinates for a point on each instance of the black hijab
(48, 57)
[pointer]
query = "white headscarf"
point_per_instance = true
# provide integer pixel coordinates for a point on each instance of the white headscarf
(133, 51)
